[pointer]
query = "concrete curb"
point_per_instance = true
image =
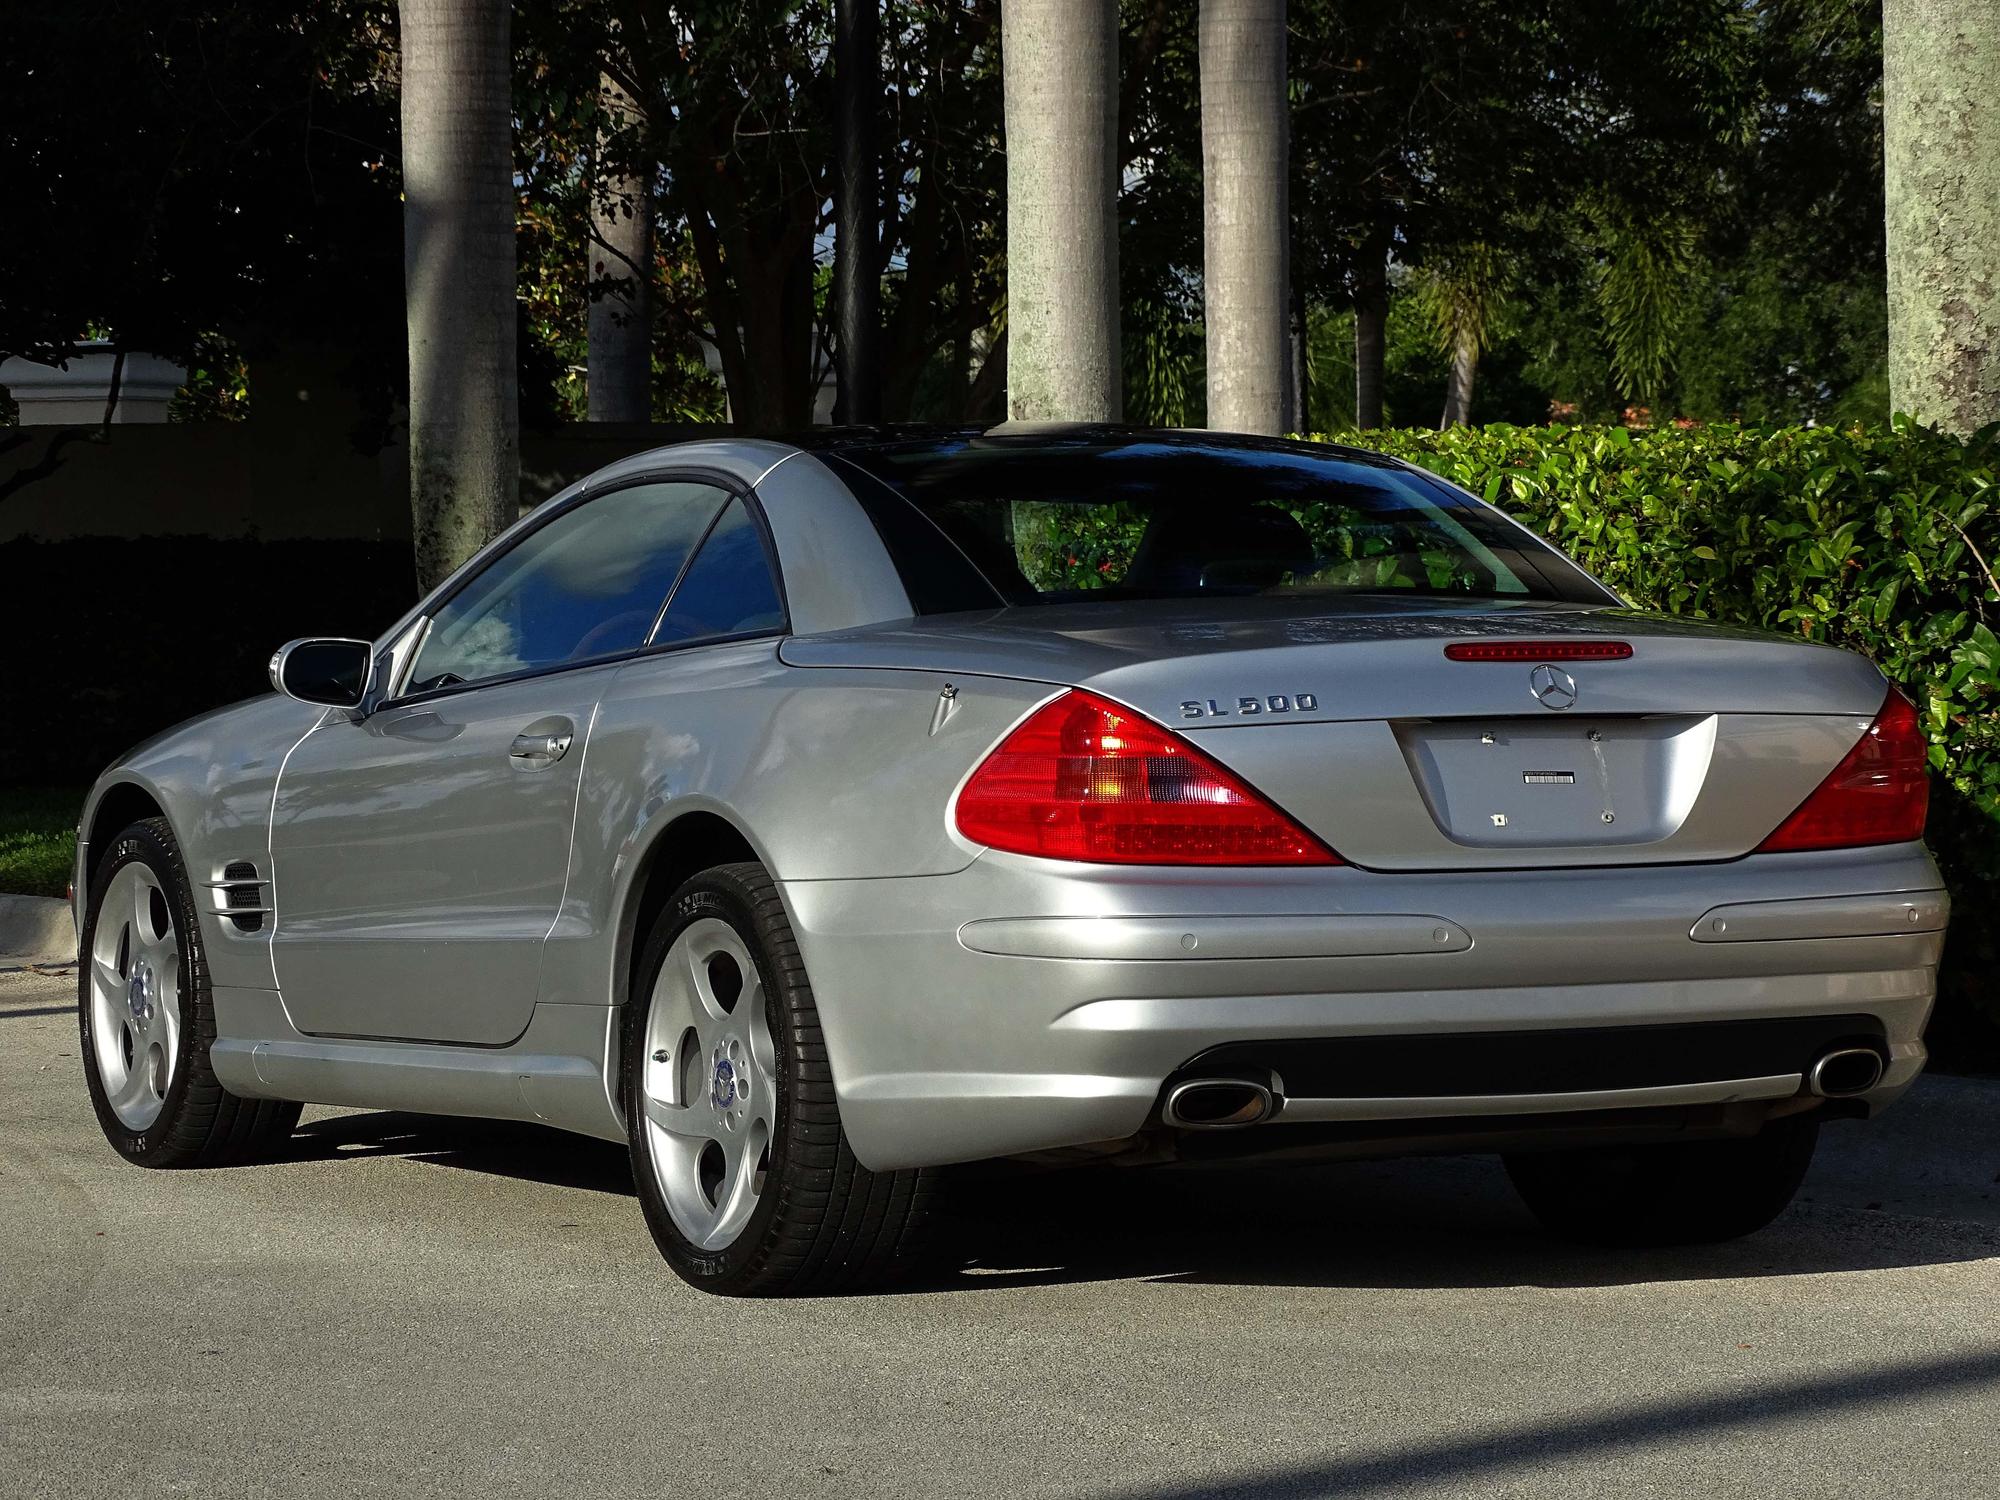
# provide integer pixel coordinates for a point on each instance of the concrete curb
(35, 930)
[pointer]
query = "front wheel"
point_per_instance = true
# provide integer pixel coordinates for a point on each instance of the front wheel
(742, 1169)
(148, 1017)
(1681, 1193)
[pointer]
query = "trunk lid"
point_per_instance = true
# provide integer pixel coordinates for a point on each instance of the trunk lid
(1355, 722)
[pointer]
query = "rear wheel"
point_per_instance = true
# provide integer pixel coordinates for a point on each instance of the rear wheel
(1677, 1194)
(745, 1176)
(148, 1018)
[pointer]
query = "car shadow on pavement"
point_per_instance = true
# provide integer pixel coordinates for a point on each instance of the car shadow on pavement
(1528, 1451)
(1435, 1222)
(501, 1148)
(1448, 1222)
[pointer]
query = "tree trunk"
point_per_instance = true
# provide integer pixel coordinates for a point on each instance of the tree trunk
(458, 275)
(619, 375)
(1060, 74)
(1941, 149)
(1458, 390)
(1298, 382)
(752, 226)
(1243, 164)
(1371, 326)
(857, 73)
(961, 345)
(986, 401)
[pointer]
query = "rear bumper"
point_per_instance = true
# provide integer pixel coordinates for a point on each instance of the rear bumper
(1021, 1005)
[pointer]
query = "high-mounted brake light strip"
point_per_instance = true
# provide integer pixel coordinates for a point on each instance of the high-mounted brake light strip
(1538, 651)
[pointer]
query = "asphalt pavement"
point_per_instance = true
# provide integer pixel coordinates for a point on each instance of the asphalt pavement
(412, 1306)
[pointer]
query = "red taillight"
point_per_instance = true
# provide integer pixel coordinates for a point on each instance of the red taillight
(1878, 794)
(1082, 778)
(1538, 651)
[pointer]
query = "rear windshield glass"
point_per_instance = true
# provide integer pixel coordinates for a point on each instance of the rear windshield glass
(1030, 521)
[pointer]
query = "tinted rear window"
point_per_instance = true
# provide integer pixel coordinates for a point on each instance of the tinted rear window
(1020, 521)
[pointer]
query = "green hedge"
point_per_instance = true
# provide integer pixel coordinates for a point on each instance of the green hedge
(1884, 542)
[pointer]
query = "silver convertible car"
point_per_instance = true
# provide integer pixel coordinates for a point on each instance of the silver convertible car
(812, 818)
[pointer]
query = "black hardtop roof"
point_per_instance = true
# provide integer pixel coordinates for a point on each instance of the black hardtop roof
(921, 439)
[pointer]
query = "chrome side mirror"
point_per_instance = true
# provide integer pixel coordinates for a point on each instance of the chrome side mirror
(331, 672)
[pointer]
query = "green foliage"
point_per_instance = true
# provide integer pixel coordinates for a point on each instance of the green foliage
(1064, 545)
(37, 839)
(560, 117)
(1462, 293)
(1646, 291)
(1511, 387)
(1165, 366)
(218, 384)
(1882, 541)
(1076, 546)
(1686, 195)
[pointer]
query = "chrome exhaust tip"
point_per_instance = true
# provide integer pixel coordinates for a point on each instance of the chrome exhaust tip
(1218, 1104)
(1845, 1072)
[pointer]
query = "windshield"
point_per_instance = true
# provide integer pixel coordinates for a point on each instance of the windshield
(1023, 521)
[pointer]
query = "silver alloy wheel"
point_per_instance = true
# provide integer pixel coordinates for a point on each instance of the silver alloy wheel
(135, 995)
(709, 1085)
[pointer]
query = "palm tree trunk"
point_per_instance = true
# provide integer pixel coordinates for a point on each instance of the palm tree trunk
(857, 317)
(1243, 160)
(458, 275)
(1371, 327)
(619, 378)
(1458, 391)
(1060, 73)
(1941, 149)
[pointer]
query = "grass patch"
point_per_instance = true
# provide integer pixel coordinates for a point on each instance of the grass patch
(37, 838)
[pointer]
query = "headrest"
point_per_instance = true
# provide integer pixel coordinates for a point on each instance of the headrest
(1192, 548)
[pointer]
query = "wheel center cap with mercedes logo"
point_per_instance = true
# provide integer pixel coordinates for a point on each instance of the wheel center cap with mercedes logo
(1552, 687)
(723, 1088)
(139, 992)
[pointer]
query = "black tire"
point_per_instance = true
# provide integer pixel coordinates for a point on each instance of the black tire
(200, 1123)
(1691, 1193)
(823, 1223)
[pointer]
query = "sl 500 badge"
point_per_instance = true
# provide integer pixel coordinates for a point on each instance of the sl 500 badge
(1274, 703)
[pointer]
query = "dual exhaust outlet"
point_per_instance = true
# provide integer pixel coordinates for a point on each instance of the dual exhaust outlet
(1844, 1072)
(1232, 1103)
(1222, 1103)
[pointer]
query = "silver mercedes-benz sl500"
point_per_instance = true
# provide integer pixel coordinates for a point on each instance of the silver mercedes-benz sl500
(810, 819)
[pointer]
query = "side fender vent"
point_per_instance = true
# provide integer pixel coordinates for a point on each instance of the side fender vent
(239, 894)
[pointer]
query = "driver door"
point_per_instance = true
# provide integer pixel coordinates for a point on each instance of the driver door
(419, 853)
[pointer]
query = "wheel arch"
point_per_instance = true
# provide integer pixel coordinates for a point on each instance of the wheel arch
(684, 845)
(116, 806)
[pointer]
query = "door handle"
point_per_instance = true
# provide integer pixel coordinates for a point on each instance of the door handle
(533, 751)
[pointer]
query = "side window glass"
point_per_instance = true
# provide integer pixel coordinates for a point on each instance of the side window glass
(728, 589)
(587, 585)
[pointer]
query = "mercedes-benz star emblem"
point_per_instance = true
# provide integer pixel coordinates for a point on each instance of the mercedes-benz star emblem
(1552, 686)
(723, 1089)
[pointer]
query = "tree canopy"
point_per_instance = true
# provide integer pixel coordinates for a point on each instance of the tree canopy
(1666, 207)
(180, 168)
